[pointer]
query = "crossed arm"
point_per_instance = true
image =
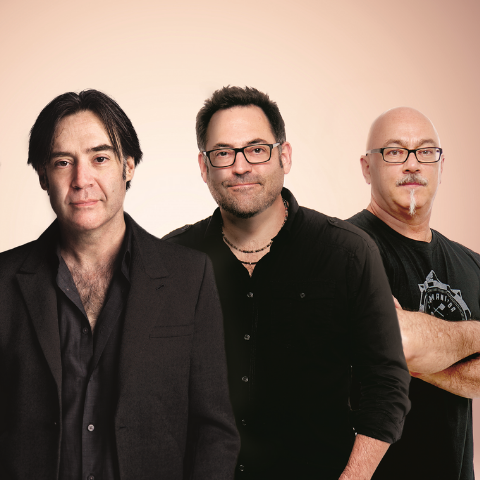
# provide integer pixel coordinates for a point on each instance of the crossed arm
(442, 353)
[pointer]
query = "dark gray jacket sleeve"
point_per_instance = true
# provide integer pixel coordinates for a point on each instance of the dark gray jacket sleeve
(213, 442)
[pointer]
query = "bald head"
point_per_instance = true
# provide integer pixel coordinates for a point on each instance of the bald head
(402, 126)
(402, 190)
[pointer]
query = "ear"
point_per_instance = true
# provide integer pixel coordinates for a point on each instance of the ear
(130, 169)
(286, 157)
(43, 179)
(365, 164)
(202, 163)
(442, 160)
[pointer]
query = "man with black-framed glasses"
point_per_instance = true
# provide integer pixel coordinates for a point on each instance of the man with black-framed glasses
(436, 285)
(305, 299)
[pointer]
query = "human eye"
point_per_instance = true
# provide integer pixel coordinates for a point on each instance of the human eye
(61, 163)
(257, 150)
(393, 152)
(101, 159)
(222, 154)
(426, 152)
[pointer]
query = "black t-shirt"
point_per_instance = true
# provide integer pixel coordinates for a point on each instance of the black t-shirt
(440, 278)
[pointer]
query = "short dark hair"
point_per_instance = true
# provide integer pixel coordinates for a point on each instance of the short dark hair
(119, 127)
(228, 97)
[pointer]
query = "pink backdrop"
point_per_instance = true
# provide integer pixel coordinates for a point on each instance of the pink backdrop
(331, 66)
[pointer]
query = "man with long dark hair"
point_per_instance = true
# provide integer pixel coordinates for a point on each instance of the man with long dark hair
(111, 346)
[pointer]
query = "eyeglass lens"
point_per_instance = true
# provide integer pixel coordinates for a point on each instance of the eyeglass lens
(253, 153)
(399, 155)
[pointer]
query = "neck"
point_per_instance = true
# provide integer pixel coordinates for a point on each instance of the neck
(256, 231)
(89, 249)
(416, 227)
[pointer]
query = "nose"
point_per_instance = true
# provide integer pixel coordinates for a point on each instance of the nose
(82, 176)
(411, 163)
(241, 165)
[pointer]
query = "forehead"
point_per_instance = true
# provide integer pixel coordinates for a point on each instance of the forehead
(83, 129)
(238, 126)
(408, 129)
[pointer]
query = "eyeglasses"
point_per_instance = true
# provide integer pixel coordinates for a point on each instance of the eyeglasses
(225, 157)
(400, 155)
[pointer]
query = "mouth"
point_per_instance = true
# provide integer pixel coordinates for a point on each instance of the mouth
(241, 185)
(84, 203)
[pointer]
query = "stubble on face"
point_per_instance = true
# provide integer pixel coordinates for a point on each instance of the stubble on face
(245, 204)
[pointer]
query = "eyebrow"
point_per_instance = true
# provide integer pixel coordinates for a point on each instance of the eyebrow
(251, 142)
(99, 148)
(401, 142)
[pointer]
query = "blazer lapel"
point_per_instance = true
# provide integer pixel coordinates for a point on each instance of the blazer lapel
(148, 276)
(35, 280)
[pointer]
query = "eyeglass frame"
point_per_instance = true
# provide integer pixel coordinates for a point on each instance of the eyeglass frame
(414, 151)
(241, 149)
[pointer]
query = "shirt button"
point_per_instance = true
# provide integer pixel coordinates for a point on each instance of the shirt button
(245, 379)
(244, 423)
(246, 337)
(302, 295)
(85, 330)
(91, 428)
(250, 295)
(241, 468)
(91, 477)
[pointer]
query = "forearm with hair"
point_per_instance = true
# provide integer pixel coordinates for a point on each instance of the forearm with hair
(432, 345)
(461, 379)
(364, 459)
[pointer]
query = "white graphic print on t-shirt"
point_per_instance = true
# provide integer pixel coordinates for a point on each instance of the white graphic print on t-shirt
(440, 300)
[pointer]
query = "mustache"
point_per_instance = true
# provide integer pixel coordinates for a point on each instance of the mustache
(412, 178)
(243, 179)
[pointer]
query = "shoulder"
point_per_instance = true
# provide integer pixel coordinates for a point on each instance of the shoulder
(190, 235)
(12, 260)
(458, 248)
(337, 232)
(156, 251)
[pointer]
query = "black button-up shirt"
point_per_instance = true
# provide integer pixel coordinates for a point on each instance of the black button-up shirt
(89, 374)
(317, 305)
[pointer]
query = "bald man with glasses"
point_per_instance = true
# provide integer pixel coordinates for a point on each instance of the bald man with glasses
(436, 285)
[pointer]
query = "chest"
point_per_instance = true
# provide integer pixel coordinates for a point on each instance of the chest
(440, 282)
(92, 286)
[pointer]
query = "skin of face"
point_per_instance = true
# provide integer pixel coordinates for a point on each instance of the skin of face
(84, 177)
(244, 190)
(407, 128)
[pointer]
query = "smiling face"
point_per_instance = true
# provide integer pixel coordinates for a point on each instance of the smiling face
(244, 190)
(84, 178)
(408, 188)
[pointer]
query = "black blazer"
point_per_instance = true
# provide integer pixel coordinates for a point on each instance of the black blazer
(173, 418)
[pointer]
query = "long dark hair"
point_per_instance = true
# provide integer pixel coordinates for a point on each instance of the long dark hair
(119, 127)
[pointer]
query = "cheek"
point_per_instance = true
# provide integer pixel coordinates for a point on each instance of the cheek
(214, 177)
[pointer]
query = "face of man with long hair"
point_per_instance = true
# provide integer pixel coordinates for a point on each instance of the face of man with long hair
(84, 178)
(244, 190)
(410, 187)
